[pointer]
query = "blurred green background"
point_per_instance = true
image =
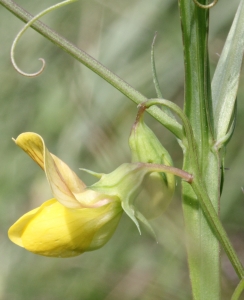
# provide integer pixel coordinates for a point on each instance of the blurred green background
(86, 122)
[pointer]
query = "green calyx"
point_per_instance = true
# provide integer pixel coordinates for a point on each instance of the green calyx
(125, 183)
(158, 187)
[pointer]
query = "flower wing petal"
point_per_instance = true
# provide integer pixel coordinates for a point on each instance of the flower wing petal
(65, 184)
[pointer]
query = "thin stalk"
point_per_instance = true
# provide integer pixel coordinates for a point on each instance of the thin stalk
(168, 169)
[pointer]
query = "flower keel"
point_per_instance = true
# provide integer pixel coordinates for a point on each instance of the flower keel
(57, 231)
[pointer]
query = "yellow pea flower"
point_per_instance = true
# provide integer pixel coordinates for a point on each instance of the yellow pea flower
(77, 220)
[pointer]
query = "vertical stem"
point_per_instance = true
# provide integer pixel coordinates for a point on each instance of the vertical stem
(202, 245)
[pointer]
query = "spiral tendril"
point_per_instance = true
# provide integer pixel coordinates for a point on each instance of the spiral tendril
(205, 6)
(27, 25)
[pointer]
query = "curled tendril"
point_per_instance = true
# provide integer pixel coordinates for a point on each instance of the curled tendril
(205, 6)
(27, 25)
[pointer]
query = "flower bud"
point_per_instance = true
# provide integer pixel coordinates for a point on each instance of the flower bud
(159, 187)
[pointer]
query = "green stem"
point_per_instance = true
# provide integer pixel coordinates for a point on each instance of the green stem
(239, 289)
(202, 243)
(94, 65)
(216, 226)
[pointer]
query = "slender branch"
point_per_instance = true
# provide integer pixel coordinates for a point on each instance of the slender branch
(238, 291)
(168, 169)
(94, 65)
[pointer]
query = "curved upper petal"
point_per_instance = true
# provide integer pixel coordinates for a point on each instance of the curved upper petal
(65, 184)
(57, 231)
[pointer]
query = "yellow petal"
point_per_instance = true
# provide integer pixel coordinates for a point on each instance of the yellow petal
(65, 184)
(58, 231)
(15, 232)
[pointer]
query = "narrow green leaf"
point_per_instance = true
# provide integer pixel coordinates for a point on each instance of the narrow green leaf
(238, 291)
(226, 77)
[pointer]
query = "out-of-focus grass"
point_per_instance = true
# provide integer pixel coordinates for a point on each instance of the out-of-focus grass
(86, 122)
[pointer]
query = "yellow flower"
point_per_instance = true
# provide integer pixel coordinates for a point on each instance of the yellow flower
(78, 219)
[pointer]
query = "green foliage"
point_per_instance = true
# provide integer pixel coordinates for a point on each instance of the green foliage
(226, 77)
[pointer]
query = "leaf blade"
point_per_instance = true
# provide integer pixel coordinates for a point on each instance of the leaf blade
(226, 77)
